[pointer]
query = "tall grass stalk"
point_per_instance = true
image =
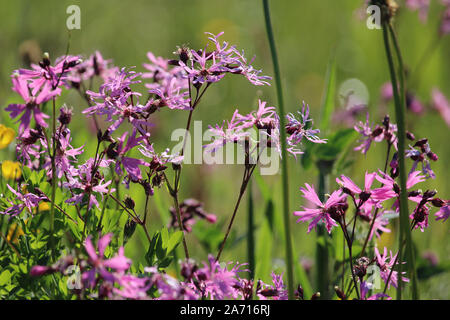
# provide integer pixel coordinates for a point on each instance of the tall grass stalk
(284, 165)
(399, 92)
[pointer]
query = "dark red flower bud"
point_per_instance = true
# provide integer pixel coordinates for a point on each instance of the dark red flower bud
(437, 202)
(315, 296)
(299, 292)
(347, 191)
(173, 62)
(386, 121)
(433, 156)
(429, 194)
(413, 193)
(364, 196)
(340, 293)
(396, 188)
(377, 132)
(268, 292)
(410, 136)
(421, 142)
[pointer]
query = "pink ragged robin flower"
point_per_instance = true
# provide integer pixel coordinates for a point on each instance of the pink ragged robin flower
(299, 129)
(444, 212)
(441, 104)
(421, 5)
(119, 154)
(32, 102)
(377, 134)
(26, 200)
(100, 267)
(233, 133)
(364, 194)
(386, 263)
(365, 287)
(324, 211)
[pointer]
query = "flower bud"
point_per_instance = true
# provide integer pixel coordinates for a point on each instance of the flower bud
(377, 132)
(437, 202)
(414, 193)
(37, 271)
(347, 191)
(421, 142)
(410, 136)
(429, 194)
(45, 59)
(299, 292)
(386, 121)
(111, 151)
(364, 196)
(433, 156)
(340, 293)
(315, 296)
(396, 188)
(147, 187)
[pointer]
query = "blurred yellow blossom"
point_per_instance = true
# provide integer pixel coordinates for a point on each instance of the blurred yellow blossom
(14, 233)
(43, 206)
(11, 170)
(6, 136)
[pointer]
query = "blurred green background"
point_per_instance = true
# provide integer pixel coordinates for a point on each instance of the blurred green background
(307, 33)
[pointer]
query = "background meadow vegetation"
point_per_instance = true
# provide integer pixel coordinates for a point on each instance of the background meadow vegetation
(307, 33)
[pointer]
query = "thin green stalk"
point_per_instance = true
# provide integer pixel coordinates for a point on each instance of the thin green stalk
(284, 170)
(400, 119)
(250, 233)
(322, 259)
(52, 205)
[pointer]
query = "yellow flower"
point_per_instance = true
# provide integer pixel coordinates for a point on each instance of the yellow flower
(11, 170)
(43, 206)
(6, 136)
(14, 233)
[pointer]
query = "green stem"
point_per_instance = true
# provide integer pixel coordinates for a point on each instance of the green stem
(250, 233)
(400, 119)
(284, 171)
(52, 205)
(322, 261)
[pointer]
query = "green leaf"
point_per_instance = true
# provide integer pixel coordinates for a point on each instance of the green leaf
(174, 241)
(5, 276)
(336, 144)
(328, 102)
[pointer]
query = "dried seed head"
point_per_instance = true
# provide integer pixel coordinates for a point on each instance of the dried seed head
(129, 203)
(128, 229)
(65, 115)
